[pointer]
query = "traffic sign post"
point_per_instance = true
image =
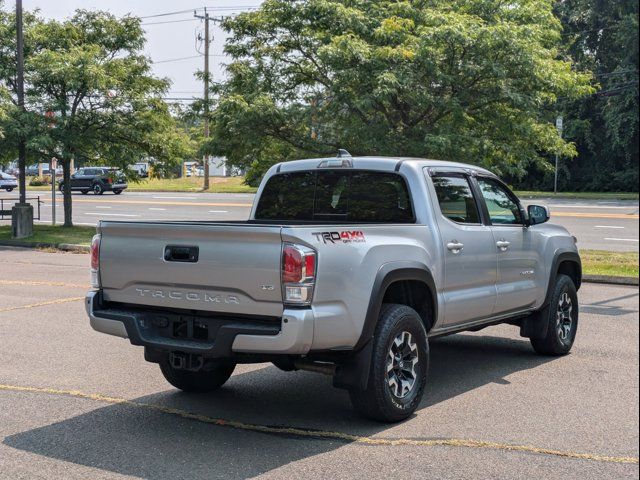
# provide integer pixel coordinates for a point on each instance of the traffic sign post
(559, 127)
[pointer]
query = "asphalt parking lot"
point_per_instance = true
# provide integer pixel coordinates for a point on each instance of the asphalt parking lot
(78, 404)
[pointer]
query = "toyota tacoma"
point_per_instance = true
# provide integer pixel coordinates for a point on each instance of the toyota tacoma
(347, 266)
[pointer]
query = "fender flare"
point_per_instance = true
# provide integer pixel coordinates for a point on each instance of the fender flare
(536, 324)
(559, 258)
(354, 372)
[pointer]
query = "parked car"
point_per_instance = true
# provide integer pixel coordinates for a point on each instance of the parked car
(96, 180)
(347, 266)
(8, 182)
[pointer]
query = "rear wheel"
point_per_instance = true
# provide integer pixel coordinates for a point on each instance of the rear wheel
(399, 365)
(9, 190)
(562, 320)
(211, 377)
(117, 192)
(98, 189)
(84, 192)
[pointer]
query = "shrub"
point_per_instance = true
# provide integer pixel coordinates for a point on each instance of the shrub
(39, 181)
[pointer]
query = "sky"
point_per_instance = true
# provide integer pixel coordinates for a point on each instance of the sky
(165, 41)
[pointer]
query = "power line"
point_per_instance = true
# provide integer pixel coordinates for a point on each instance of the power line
(168, 21)
(176, 59)
(166, 14)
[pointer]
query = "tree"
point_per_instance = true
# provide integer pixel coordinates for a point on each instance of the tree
(464, 80)
(89, 71)
(603, 37)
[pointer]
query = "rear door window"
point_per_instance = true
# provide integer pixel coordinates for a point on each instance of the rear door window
(336, 196)
(455, 198)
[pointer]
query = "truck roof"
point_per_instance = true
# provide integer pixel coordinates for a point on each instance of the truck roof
(376, 163)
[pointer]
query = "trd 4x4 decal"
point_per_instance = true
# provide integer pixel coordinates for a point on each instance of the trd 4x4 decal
(345, 236)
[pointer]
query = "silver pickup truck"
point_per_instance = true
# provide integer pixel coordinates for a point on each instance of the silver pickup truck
(347, 266)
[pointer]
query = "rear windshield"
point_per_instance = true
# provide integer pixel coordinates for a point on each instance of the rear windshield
(336, 196)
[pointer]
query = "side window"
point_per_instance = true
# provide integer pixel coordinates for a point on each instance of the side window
(456, 199)
(503, 210)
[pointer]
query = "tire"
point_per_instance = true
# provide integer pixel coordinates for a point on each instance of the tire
(117, 192)
(84, 192)
(98, 189)
(202, 381)
(562, 320)
(9, 190)
(382, 400)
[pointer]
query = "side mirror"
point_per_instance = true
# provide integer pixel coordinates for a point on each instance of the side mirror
(538, 214)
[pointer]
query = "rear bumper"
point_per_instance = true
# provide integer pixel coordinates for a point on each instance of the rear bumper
(292, 335)
(116, 186)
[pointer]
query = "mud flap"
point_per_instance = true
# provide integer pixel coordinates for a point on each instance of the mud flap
(536, 324)
(353, 374)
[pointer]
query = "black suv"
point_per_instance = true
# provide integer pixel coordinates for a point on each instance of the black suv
(97, 180)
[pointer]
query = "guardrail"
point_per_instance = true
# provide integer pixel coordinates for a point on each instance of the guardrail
(9, 202)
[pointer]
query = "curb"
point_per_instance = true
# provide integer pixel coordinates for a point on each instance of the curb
(610, 280)
(64, 247)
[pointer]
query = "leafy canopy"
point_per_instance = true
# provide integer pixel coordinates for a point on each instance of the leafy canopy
(90, 94)
(465, 80)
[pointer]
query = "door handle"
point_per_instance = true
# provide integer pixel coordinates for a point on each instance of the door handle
(503, 245)
(455, 246)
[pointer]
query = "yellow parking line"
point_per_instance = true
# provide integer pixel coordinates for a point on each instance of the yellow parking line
(303, 433)
(597, 215)
(182, 204)
(41, 304)
(35, 283)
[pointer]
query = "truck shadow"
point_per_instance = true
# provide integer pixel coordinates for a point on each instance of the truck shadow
(145, 443)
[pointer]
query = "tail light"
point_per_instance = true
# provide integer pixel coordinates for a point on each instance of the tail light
(298, 274)
(109, 180)
(95, 261)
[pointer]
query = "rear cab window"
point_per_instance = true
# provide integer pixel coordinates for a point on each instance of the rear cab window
(335, 196)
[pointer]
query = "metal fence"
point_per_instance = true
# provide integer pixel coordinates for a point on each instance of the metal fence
(7, 203)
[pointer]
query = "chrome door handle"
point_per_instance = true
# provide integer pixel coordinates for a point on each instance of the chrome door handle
(503, 245)
(455, 246)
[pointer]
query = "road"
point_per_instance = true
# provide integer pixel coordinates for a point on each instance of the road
(78, 404)
(600, 225)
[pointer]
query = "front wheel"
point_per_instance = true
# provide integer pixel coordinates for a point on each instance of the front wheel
(9, 190)
(98, 189)
(562, 320)
(399, 365)
(211, 377)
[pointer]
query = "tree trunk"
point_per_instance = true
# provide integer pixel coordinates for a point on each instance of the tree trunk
(66, 193)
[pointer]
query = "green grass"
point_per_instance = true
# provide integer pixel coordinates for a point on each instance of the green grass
(617, 264)
(192, 184)
(581, 195)
(54, 235)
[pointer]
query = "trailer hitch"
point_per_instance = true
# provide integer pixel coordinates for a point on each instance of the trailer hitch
(186, 361)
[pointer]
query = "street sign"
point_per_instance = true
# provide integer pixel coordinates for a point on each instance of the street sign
(559, 124)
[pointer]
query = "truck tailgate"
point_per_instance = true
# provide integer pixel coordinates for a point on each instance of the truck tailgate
(237, 269)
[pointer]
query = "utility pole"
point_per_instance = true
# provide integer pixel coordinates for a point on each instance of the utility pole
(206, 91)
(22, 213)
(20, 88)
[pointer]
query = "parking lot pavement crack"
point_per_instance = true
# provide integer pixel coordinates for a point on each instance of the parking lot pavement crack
(302, 433)
(41, 304)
